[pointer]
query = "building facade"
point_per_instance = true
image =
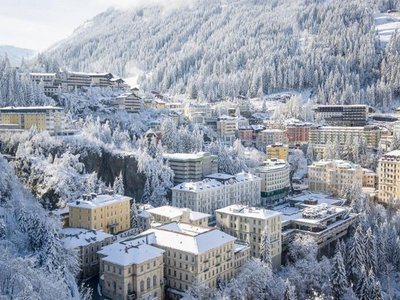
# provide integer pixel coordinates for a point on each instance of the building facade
(277, 151)
(270, 137)
(342, 115)
(388, 178)
(217, 191)
(191, 167)
(129, 102)
(48, 118)
(249, 224)
(334, 176)
(86, 243)
(132, 269)
(298, 134)
(110, 213)
(275, 180)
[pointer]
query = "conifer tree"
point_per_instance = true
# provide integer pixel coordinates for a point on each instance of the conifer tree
(338, 277)
(118, 186)
(265, 249)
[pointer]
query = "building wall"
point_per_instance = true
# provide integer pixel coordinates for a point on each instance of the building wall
(250, 230)
(101, 218)
(277, 152)
(389, 179)
(142, 279)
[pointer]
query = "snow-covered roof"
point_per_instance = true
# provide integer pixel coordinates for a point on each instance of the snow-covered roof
(99, 201)
(188, 238)
(272, 165)
(343, 164)
(43, 74)
(175, 212)
(320, 197)
(272, 130)
(222, 176)
(392, 153)
(79, 237)
(250, 212)
(30, 108)
(185, 156)
(130, 251)
(240, 247)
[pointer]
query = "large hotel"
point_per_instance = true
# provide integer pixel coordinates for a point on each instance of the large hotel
(48, 118)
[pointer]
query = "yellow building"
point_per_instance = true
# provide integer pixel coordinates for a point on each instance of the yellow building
(277, 151)
(388, 178)
(334, 176)
(110, 213)
(47, 118)
(248, 224)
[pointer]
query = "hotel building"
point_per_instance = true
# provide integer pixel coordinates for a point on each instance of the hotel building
(389, 178)
(110, 213)
(248, 224)
(342, 115)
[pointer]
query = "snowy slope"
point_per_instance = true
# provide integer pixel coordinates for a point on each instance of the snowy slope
(386, 25)
(16, 54)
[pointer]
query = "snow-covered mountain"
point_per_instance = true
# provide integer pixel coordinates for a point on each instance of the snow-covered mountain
(16, 54)
(216, 48)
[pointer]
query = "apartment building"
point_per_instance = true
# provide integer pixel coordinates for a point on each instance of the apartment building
(277, 151)
(322, 135)
(166, 214)
(248, 225)
(227, 127)
(217, 191)
(342, 115)
(298, 133)
(270, 137)
(333, 176)
(132, 269)
(50, 81)
(86, 243)
(388, 178)
(48, 118)
(194, 254)
(275, 182)
(101, 79)
(191, 167)
(129, 102)
(109, 212)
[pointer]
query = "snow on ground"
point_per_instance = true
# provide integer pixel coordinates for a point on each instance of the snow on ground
(386, 24)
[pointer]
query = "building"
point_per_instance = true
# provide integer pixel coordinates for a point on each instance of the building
(342, 115)
(129, 102)
(217, 191)
(321, 135)
(277, 151)
(50, 81)
(248, 224)
(132, 269)
(326, 223)
(227, 127)
(203, 255)
(334, 176)
(167, 214)
(275, 180)
(48, 118)
(388, 178)
(298, 133)
(191, 167)
(370, 179)
(110, 213)
(86, 243)
(101, 79)
(270, 137)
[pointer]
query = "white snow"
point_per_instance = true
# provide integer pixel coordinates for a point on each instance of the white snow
(246, 211)
(386, 24)
(79, 237)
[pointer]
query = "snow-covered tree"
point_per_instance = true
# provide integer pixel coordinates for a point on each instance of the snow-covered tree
(118, 186)
(338, 277)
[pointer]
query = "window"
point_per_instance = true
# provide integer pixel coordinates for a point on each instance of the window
(142, 286)
(148, 283)
(154, 280)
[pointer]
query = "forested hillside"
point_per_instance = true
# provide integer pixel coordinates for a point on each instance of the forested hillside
(213, 49)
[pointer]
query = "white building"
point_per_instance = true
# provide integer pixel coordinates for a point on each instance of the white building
(248, 224)
(270, 136)
(129, 102)
(191, 167)
(275, 180)
(217, 191)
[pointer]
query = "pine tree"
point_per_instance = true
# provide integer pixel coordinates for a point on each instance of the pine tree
(356, 256)
(134, 215)
(118, 186)
(265, 249)
(289, 291)
(370, 251)
(338, 277)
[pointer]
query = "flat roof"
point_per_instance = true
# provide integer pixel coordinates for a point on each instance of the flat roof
(320, 197)
(29, 108)
(246, 211)
(185, 156)
(174, 212)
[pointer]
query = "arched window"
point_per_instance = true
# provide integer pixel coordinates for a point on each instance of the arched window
(148, 283)
(154, 280)
(142, 286)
